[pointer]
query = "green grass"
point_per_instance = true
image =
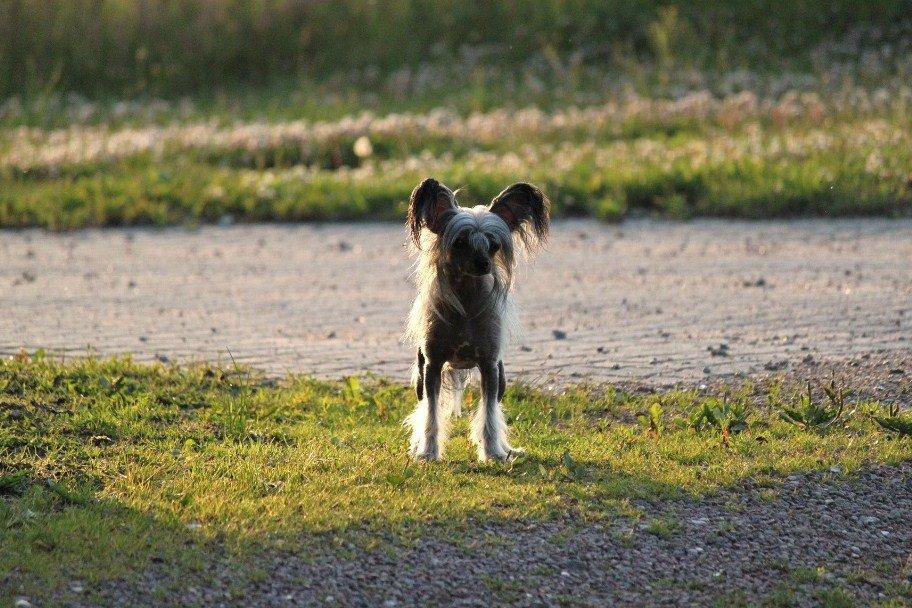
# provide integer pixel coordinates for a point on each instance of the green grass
(194, 112)
(731, 157)
(107, 466)
(162, 47)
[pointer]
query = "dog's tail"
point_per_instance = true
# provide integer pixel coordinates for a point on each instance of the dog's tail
(451, 390)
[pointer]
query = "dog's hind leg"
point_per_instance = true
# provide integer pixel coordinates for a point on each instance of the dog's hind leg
(489, 428)
(418, 376)
(429, 429)
(501, 382)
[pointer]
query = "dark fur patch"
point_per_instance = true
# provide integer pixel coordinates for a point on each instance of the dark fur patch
(501, 381)
(419, 382)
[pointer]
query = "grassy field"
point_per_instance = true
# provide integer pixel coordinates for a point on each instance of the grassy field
(107, 466)
(740, 155)
(191, 112)
(128, 48)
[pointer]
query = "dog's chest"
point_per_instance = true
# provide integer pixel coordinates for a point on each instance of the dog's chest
(465, 342)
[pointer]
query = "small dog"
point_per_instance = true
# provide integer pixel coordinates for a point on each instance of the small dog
(463, 314)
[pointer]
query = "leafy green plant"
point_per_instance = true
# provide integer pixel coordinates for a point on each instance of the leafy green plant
(809, 414)
(901, 424)
(726, 416)
(652, 418)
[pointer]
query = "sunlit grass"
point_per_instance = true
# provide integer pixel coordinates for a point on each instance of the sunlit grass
(105, 466)
(813, 167)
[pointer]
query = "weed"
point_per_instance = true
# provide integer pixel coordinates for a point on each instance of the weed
(651, 418)
(834, 598)
(811, 415)
(663, 527)
(725, 416)
(895, 422)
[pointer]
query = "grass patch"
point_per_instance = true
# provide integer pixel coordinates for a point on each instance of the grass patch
(108, 466)
(734, 159)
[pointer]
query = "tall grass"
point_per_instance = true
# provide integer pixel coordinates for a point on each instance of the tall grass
(140, 47)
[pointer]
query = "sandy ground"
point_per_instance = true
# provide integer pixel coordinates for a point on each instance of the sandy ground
(644, 301)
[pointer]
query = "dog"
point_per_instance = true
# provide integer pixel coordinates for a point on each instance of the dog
(463, 315)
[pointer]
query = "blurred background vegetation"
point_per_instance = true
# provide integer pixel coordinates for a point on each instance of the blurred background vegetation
(166, 47)
(136, 112)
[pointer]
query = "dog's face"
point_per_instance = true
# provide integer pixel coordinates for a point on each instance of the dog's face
(474, 242)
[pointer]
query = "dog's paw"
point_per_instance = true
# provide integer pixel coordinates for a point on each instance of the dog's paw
(515, 453)
(430, 453)
(427, 456)
(502, 454)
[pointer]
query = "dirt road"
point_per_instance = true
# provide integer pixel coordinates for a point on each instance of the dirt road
(644, 301)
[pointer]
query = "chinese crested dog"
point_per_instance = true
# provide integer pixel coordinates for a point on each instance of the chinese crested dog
(464, 314)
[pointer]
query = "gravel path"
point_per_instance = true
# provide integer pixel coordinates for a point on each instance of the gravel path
(643, 301)
(794, 542)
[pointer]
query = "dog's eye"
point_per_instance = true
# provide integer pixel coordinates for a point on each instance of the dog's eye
(495, 247)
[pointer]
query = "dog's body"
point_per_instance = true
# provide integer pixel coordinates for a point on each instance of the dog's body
(463, 315)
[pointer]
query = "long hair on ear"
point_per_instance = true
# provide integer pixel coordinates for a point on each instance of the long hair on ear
(527, 212)
(430, 205)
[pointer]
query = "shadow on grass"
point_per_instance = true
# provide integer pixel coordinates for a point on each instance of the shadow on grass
(58, 536)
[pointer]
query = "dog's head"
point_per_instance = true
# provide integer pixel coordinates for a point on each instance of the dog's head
(477, 241)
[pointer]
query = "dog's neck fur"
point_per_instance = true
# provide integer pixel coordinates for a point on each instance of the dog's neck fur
(475, 294)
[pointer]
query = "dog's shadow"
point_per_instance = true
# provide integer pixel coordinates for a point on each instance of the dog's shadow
(593, 477)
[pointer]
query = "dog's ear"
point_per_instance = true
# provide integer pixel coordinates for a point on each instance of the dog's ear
(431, 205)
(525, 209)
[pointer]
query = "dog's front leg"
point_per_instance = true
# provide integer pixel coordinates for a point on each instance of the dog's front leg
(489, 428)
(428, 433)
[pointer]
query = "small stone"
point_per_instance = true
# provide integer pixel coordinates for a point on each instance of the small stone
(699, 521)
(718, 351)
(835, 469)
(559, 334)
(21, 602)
(695, 550)
(76, 587)
(390, 602)
(772, 366)
(868, 519)
(564, 573)
(707, 370)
